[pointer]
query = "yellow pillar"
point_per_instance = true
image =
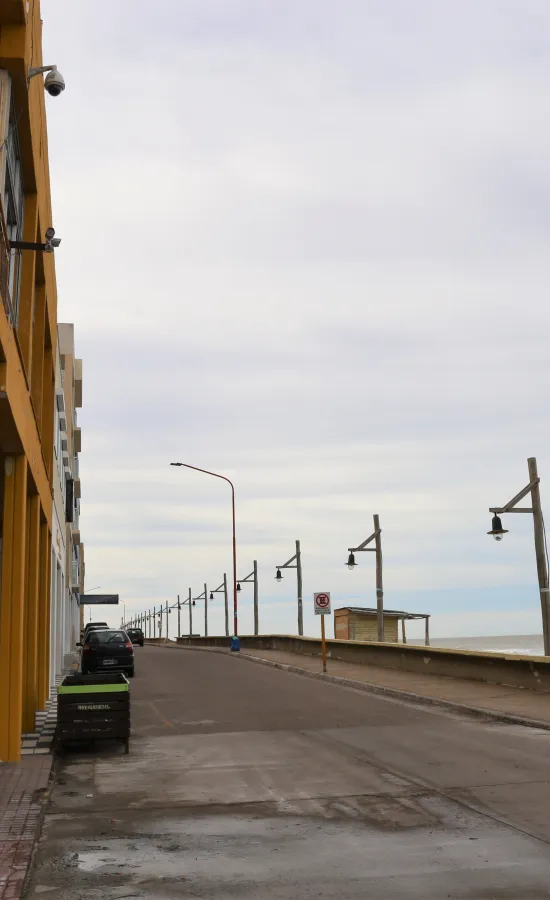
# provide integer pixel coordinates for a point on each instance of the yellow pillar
(30, 673)
(11, 607)
(44, 615)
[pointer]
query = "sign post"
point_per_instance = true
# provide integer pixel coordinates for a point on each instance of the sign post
(321, 603)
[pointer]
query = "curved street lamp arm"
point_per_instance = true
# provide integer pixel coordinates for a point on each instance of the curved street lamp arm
(230, 483)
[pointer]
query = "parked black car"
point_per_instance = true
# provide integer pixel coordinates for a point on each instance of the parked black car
(136, 636)
(91, 626)
(107, 649)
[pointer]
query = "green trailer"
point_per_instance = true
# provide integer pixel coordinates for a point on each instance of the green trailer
(92, 708)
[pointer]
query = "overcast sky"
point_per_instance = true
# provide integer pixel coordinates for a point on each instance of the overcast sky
(305, 244)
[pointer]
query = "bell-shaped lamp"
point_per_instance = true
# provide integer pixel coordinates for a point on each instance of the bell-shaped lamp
(497, 530)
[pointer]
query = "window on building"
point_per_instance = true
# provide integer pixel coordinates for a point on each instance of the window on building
(13, 204)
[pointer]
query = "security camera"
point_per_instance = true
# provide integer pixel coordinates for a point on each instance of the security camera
(51, 241)
(50, 246)
(53, 82)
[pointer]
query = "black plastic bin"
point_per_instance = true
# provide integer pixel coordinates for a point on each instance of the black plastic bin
(92, 708)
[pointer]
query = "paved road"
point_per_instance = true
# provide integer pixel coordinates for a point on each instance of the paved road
(245, 781)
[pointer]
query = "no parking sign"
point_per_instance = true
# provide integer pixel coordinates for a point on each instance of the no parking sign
(321, 603)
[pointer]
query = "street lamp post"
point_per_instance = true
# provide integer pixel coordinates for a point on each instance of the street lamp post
(191, 605)
(200, 596)
(230, 483)
(288, 565)
(254, 578)
(498, 532)
(219, 590)
(376, 536)
(168, 611)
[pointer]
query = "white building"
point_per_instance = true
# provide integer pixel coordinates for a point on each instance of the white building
(67, 582)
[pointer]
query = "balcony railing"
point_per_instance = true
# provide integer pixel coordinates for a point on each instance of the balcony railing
(5, 272)
(75, 573)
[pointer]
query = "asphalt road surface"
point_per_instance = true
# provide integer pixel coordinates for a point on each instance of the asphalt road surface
(245, 781)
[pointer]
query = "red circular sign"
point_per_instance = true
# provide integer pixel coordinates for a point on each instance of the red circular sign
(322, 600)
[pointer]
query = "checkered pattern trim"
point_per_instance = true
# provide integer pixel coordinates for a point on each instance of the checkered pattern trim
(39, 743)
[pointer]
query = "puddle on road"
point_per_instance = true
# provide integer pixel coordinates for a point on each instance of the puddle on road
(128, 858)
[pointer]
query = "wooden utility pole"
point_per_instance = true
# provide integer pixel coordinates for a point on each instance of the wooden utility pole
(190, 614)
(179, 608)
(540, 540)
(379, 584)
(540, 551)
(289, 565)
(376, 536)
(256, 613)
(300, 598)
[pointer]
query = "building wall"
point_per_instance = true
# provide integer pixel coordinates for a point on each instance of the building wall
(365, 628)
(28, 310)
(341, 630)
(350, 626)
(74, 558)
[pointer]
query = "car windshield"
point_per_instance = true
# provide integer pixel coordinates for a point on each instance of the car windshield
(134, 631)
(107, 637)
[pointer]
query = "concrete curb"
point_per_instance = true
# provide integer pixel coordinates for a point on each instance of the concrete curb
(476, 712)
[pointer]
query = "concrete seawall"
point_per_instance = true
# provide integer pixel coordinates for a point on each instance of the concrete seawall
(530, 672)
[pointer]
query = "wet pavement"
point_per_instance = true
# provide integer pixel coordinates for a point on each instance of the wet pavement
(245, 781)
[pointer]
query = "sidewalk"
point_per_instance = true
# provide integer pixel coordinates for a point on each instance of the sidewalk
(476, 695)
(23, 792)
(23, 788)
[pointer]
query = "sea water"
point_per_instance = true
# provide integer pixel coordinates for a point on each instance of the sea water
(525, 644)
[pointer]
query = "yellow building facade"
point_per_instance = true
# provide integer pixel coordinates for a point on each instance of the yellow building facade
(27, 377)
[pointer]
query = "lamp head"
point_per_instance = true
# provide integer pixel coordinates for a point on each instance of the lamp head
(238, 585)
(351, 561)
(497, 530)
(278, 576)
(211, 595)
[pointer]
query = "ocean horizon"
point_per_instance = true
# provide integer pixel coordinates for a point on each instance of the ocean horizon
(526, 644)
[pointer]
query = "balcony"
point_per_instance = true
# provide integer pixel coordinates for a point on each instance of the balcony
(5, 273)
(13, 12)
(78, 382)
(77, 490)
(77, 440)
(75, 575)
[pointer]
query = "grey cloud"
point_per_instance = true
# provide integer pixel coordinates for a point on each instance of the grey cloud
(305, 244)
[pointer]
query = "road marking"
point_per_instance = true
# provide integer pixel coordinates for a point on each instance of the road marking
(166, 722)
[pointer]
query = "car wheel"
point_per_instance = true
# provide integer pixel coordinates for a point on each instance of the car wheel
(131, 672)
